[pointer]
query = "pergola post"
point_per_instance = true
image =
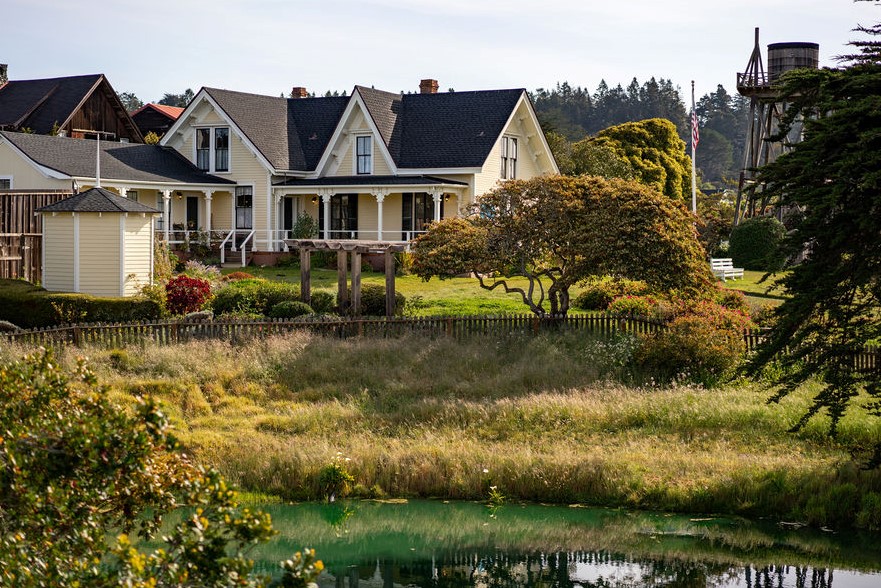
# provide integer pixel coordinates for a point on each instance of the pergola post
(306, 275)
(389, 259)
(342, 290)
(356, 283)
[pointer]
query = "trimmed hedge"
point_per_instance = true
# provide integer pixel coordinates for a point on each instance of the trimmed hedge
(290, 309)
(755, 244)
(28, 306)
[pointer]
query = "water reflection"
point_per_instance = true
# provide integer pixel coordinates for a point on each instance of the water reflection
(428, 544)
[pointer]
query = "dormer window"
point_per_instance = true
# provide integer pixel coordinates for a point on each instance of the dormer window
(364, 154)
(509, 158)
(212, 149)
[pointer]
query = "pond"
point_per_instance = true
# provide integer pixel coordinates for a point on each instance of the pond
(396, 544)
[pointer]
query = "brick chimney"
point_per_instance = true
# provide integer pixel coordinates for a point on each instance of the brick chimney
(299, 92)
(3, 74)
(428, 86)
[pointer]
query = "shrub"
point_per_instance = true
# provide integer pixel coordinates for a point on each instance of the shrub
(599, 292)
(634, 306)
(335, 479)
(253, 296)
(731, 299)
(185, 294)
(322, 302)
(755, 244)
(235, 276)
(29, 306)
(702, 344)
(290, 309)
(197, 269)
(373, 300)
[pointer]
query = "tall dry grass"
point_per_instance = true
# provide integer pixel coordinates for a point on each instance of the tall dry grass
(542, 418)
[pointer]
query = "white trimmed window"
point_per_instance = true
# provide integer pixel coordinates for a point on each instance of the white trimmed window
(364, 154)
(509, 158)
(212, 149)
(132, 195)
(5, 182)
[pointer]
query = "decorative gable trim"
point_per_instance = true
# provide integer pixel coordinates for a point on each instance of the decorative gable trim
(339, 134)
(187, 118)
(524, 100)
(46, 171)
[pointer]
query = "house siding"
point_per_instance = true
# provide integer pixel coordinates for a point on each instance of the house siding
(24, 176)
(100, 266)
(138, 254)
(58, 251)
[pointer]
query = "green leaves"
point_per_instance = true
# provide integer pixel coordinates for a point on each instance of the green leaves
(75, 468)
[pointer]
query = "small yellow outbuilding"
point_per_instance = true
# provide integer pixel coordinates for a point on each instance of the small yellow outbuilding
(96, 242)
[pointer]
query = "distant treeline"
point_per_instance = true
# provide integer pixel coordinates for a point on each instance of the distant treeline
(575, 113)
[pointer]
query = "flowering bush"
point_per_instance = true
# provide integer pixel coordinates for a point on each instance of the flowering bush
(703, 343)
(185, 294)
(630, 305)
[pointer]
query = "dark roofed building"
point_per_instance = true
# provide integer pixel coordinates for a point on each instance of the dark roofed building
(156, 118)
(75, 106)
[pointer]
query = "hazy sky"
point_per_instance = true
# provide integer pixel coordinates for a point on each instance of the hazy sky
(268, 46)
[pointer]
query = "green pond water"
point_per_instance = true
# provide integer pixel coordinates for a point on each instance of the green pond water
(368, 544)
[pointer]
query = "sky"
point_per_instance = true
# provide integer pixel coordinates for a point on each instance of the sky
(268, 46)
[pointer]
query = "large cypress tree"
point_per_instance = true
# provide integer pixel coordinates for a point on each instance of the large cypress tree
(833, 176)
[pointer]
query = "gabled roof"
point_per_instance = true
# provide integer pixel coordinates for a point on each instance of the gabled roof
(290, 133)
(420, 131)
(444, 130)
(172, 112)
(119, 161)
(97, 200)
(40, 105)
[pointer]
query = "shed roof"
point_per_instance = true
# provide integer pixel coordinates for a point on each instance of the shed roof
(98, 200)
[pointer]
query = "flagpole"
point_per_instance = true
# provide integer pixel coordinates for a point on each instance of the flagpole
(693, 147)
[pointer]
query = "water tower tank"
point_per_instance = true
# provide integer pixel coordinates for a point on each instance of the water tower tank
(784, 57)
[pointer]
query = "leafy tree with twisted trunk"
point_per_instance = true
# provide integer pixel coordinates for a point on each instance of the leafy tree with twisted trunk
(554, 231)
(833, 177)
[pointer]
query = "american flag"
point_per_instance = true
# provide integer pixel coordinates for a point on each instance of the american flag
(695, 135)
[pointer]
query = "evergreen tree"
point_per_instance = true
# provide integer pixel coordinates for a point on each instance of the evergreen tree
(832, 177)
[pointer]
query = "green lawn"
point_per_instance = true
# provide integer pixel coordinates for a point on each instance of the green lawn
(456, 296)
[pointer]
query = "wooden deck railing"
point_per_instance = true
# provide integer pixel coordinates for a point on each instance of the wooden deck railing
(165, 332)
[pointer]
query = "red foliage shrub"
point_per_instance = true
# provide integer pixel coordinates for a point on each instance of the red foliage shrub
(235, 276)
(185, 294)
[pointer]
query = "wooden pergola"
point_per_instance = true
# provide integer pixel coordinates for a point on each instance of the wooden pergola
(345, 248)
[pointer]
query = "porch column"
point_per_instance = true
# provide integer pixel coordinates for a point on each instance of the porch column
(325, 202)
(166, 212)
(208, 194)
(380, 196)
(437, 195)
(279, 219)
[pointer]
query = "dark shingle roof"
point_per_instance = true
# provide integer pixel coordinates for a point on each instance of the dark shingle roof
(119, 161)
(291, 133)
(39, 104)
(97, 200)
(453, 129)
(368, 180)
(448, 130)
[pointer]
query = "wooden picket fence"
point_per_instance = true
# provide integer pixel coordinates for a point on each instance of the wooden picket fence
(165, 332)
(168, 332)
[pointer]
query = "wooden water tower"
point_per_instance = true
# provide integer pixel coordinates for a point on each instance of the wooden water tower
(765, 112)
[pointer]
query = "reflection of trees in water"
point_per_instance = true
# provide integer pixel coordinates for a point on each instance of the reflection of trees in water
(564, 570)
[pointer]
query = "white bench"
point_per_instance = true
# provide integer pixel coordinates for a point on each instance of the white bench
(723, 267)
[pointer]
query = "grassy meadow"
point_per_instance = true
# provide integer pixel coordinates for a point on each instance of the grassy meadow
(548, 419)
